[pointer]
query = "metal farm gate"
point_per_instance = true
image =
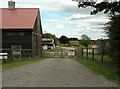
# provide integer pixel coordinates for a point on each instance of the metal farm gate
(58, 53)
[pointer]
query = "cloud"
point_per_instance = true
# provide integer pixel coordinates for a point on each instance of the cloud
(62, 17)
(74, 28)
(45, 5)
(78, 16)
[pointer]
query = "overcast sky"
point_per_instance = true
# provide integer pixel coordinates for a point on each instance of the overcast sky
(62, 17)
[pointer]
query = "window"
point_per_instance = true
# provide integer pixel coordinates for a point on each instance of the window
(14, 33)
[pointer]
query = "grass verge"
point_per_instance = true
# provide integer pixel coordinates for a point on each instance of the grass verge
(106, 69)
(19, 62)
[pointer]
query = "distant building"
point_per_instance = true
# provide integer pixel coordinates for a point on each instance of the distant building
(21, 27)
(94, 44)
(48, 43)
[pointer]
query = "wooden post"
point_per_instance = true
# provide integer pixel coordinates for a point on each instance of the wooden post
(11, 56)
(102, 55)
(20, 52)
(87, 53)
(24, 52)
(42, 53)
(82, 52)
(61, 53)
(92, 53)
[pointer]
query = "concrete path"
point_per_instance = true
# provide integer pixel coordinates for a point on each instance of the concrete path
(55, 72)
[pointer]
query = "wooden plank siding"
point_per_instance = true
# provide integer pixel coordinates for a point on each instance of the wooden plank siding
(25, 41)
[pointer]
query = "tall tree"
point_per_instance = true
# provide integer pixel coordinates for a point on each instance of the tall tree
(112, 8)
(113, 30)
(63, 39)
(85, 40)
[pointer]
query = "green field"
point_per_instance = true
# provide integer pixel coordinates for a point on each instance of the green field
(71, 43)
(75, 43)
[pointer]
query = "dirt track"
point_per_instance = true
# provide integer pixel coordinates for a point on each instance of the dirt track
(55, 72)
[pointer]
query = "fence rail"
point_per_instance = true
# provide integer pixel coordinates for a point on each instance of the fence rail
(62, 53)
(87, 53)
(23, 53)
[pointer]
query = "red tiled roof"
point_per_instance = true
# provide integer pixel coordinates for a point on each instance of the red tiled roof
(18, 18)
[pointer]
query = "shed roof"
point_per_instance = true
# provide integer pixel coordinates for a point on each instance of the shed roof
(18, 18)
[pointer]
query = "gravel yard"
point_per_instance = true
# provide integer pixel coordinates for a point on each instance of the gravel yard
(54, 72)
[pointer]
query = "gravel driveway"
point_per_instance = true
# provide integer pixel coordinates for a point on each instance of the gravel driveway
(54, 72)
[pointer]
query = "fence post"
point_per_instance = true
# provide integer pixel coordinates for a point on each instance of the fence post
(92, 53)
(102, 55)
(86, 53)
(82, 52)
(42, 53)
(11, 55)
(61, 53)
